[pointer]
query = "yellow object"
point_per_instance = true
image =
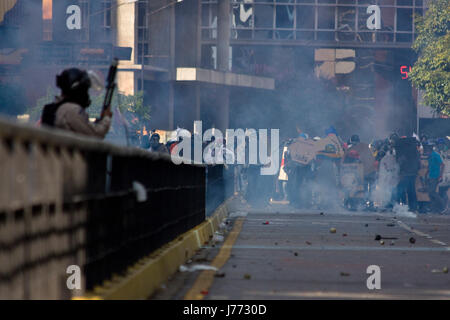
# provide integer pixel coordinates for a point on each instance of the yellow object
(206, 278)
(5, 6)
(148, 274)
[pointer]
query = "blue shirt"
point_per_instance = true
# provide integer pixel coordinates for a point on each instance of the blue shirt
(434, 165)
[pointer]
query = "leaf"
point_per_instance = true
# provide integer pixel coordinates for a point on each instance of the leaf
(431, 72)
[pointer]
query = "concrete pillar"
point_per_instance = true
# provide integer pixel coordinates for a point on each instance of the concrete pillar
(223, 57)
(126, 26)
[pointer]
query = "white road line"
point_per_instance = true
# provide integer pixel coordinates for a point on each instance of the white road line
(419, 233)
(338, 248)
(438, 242)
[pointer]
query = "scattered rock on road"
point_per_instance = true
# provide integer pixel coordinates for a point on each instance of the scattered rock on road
(333, 230)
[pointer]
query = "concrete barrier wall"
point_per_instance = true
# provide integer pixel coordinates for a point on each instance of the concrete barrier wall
(69, 200)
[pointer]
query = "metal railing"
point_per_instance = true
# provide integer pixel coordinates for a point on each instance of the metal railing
(219, 186)
(68, 200)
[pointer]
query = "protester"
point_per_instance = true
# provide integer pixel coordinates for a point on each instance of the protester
(156, 146)
(367, 160)
(385, 193)
(408, 159)
(282, 176)
(434, 176)
(68, 112)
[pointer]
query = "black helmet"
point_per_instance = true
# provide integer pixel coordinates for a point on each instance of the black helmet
(71, 80)
(354, 139)
(74, 84)
(394, 137)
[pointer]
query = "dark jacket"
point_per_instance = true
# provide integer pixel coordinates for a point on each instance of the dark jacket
(408, 157)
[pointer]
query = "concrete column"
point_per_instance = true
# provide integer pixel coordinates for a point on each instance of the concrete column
(126, 37)
(223, 35)
(223, 57)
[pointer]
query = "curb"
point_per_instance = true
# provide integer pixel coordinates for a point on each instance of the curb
(149, 273)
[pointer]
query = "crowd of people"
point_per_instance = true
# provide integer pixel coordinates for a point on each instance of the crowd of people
(396, 170)
(418, 166)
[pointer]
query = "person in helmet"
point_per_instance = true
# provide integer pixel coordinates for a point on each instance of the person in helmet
(354, 140)
(68, 112)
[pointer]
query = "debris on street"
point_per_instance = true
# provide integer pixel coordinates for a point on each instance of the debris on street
(379, 237)
(198, 267)
(391, 225)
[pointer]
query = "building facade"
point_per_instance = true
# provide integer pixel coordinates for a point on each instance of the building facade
(247, 63)
(360, 48)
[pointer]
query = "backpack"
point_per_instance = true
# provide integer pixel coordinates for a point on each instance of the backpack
(49, 113)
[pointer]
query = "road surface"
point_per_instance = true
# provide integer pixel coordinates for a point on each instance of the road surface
(283, 253)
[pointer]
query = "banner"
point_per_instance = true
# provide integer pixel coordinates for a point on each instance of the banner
(304, 151)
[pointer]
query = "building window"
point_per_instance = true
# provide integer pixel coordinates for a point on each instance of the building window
(106, 21)
(320, 20)
(142, 28)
